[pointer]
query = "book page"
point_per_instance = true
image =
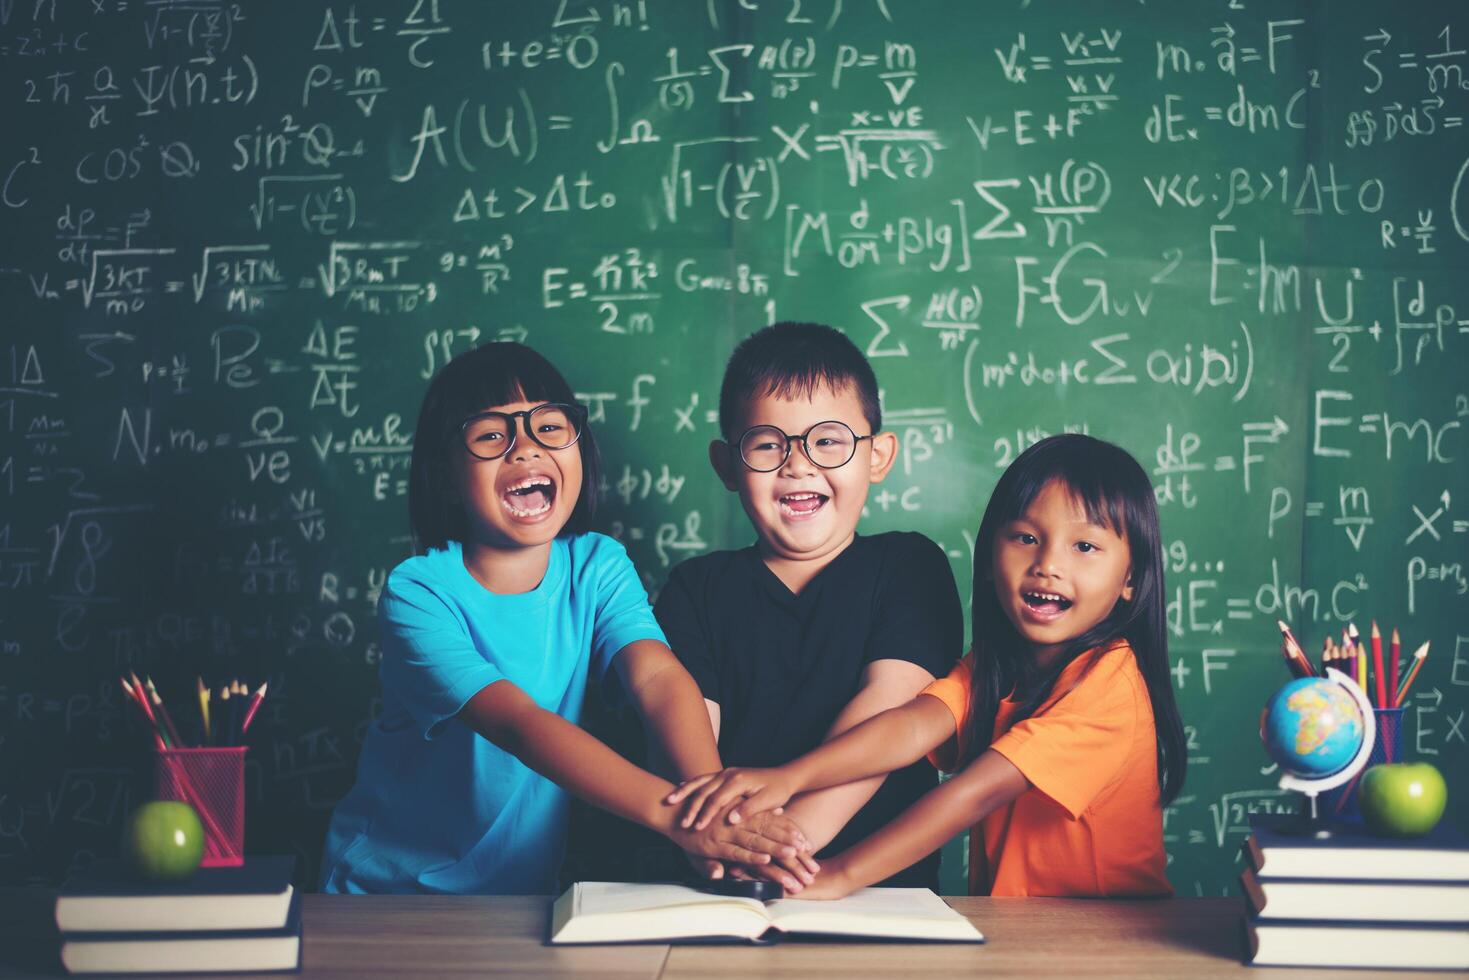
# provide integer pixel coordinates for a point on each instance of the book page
(599, 912)
(615, 897)
(915, 913)
(886, 903)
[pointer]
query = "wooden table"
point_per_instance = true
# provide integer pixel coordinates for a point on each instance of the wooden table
(382, 936)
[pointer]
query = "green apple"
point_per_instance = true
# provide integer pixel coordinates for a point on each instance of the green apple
(1402, 799)
(165, 840)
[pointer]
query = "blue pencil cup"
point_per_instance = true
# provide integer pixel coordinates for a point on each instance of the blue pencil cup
(1387, 747)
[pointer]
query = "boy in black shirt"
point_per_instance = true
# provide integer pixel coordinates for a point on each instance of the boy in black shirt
(813, 628)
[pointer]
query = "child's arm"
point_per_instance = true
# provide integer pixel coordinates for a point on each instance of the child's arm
(887, 741)
(823, 813)
(985, 785)
(675, 714)
(670, 705)
(575, 760)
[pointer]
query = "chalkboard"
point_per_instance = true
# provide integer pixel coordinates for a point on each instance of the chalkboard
(238, 238)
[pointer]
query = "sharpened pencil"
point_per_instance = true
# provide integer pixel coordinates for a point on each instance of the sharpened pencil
(1393, 661)
(204, 738)
(225, 732)
(136, 699)
(237, 712)
(1379, 677)
(1295, 657)
(142, 699)
(1419, 655)
(162, 712)
(1354, 639)
(254, 706)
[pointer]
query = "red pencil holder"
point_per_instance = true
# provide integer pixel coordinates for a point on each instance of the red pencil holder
(212, 781)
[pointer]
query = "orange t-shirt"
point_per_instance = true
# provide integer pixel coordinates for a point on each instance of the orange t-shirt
(1090, 824)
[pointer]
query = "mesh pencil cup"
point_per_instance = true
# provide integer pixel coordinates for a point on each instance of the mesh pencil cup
(212, 781)
(1387, 747)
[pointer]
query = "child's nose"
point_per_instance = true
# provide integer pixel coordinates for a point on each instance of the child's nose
(797, 462)
(1048, 560)
(524, 449)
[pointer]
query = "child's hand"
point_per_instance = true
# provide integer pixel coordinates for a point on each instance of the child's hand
(741, 845)
(706, 867)
(708, 795)
(767, 872)
(831, 883)
(791, 873)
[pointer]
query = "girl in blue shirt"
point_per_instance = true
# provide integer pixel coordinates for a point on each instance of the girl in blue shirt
(489, 637)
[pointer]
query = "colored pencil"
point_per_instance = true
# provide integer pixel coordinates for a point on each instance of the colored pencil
(1355, 639)
(1295, 657)
(127, 689)
(148, 710)
(254, 706)
(1393, 659)
(226, 730)
(162, 712)
(1379, 677)
(1419, 655)
(238, 711)
(132, 694)
(204, 738)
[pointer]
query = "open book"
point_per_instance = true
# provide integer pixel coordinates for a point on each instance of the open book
(616, 912)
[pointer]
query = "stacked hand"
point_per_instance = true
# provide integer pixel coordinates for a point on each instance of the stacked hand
(771, 846)
(742, 792)
(829, 882)
(752, 800)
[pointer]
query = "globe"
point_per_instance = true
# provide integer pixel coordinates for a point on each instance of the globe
(1312, 727)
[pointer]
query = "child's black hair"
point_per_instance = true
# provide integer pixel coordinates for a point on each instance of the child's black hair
(1115, 493)
(795, 359)
(494, 374)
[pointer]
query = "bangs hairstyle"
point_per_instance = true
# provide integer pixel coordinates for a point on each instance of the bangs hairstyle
(793, 360)
(1106, 482)
(494, 374)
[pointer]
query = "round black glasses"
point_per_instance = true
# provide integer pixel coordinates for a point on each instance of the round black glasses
(490, 435)
(764, 448)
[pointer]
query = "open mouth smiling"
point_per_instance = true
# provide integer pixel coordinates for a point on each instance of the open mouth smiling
(530, 496)
(1045, 602)
(799, 506)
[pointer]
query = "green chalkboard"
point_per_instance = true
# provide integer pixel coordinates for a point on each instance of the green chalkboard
(238, 238)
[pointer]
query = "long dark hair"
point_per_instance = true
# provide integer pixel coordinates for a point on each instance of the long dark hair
(1116, 493)
(494, 374)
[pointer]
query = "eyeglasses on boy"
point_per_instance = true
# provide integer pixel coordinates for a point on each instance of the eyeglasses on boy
(831, 444)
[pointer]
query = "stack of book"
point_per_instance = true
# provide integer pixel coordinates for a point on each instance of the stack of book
(239, 919)
(1355, 900)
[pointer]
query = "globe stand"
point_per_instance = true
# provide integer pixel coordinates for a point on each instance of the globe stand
(1308, 821)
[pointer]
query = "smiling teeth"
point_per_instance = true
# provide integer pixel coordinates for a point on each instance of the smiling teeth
(522, 489)
(525, 511)
(1046, 596)
(788, 503)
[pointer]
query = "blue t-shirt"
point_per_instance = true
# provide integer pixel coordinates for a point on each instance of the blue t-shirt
(436, 807)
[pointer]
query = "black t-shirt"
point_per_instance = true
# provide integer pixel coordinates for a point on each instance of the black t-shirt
(781, 667)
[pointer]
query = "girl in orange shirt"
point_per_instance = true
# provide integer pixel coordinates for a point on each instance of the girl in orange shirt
(1061, 720)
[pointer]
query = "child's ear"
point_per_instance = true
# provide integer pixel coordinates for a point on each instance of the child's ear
(722, 458)
(884, 454)
(1127, 587)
